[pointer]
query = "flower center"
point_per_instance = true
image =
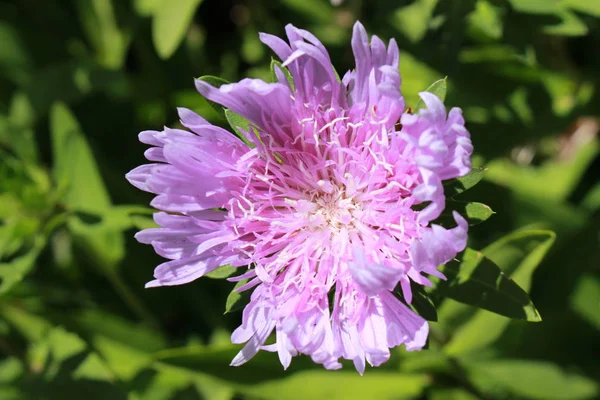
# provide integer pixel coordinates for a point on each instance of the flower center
(331, 208)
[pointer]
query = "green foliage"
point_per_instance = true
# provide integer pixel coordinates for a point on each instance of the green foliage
(170, 22)
(79, 79)
(439, 88)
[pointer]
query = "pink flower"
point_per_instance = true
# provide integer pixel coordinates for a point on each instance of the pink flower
(320, 209)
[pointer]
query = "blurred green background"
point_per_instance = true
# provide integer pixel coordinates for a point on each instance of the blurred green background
(80, 78)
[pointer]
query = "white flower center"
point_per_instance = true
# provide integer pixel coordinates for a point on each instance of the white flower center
(331, 208)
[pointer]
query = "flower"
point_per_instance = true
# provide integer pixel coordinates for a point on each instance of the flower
(320, 207)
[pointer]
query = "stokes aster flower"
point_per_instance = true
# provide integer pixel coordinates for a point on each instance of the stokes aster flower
(319, 211)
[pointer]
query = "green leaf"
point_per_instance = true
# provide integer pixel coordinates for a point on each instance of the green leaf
(279, 66)
(146, 8)
(126, 362)
(421, 303)
(474, 212)
(416, 75)
(224, 271)
(75, 168)
(586, 299)
(15, 61)
(315, 10)
(13, 271)
(485, 22)
(216, 82)
(591, 7)
(170, 24)
(518, 254)
(479, 282)
(454, 187)
(239, 123)
(438, 88)
(570, 25)
(530, 379)
(236, 301)
(338, 385)
(451, 394)
(100, 24)
(413, 20)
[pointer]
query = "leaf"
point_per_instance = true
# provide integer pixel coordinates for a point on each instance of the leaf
(75, 168)
(421, 303)
(170, 23)
(146, 8)
(586, 299)
(13, 271)
(15, 62)
(451, 394)
(100, 24)
(126, 362)
(518, 254)
(531, 379)
(334, 385)
(473, 211)
(236, 300)
(316, 10)
(454, 187)
(216, 82)
(413, 20)
(264, 378)
(239, 123)
(438, 88)
(224, 271)
(479, 282)
(416, 75)
(277, 65)
(485, 22)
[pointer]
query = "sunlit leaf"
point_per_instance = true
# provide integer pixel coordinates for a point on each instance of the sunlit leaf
(341, 385)
(438, 88)
(413, 20)
(14, 270)
(99, 20)
(239, 123)
(170, 23)
(474, 212)
(224, 271)
(278, 66)
(531, 379)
